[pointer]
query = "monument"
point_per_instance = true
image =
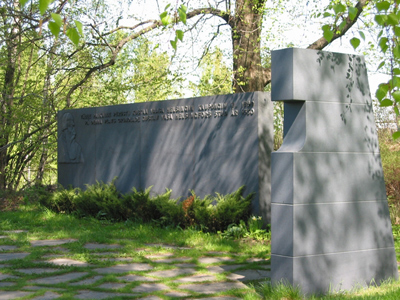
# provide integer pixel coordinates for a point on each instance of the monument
(207, 144)
(331, 228)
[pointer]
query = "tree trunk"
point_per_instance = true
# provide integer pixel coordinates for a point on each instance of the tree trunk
(7, 98)
(246, 32)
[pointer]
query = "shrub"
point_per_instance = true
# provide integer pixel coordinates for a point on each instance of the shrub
(390, 154)
(103, 201)
(61, 201)
(230, 209)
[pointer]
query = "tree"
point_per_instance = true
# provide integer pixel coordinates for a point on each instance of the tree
(215, 78)
(151, 78)
(41, 71)
(245, 21)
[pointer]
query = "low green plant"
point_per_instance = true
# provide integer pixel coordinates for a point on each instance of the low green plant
(390, 154)
(100, 200)
(253, 230)
(235, 231)
(279, 291)
(256, 231)
(104, 202)
(62, 201)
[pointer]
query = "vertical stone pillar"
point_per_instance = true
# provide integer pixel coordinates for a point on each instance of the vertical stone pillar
(331, 227)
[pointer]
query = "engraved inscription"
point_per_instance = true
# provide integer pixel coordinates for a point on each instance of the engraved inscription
(173, 113)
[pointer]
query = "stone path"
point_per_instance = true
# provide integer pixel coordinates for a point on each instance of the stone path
(106, 271)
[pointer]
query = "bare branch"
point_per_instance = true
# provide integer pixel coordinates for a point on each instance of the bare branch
(130, 27)
(26, 136)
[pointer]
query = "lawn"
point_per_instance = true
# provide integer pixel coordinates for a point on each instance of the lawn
(42, 224)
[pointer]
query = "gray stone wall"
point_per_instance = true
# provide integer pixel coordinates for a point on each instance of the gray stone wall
(208, 144)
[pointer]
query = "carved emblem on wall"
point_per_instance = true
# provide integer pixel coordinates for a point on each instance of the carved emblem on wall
(69, 149)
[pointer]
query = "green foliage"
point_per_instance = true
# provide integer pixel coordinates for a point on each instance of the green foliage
(36, 193)
(388, 19)
(99, 200)
(103, 201)
(73, 33)
(230, 209)
(62, 201)
(385, 22)
(390, 154)
(215, 77)
(252, 230)
(152, 79)
(279, 291)
(235, 231)
(140, 206)
(167, 19)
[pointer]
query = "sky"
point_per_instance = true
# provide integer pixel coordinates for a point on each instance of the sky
(292, 24)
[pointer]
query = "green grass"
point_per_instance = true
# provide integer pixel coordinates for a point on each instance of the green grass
(43, 224)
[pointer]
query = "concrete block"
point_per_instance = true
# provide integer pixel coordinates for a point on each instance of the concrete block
(330, 221)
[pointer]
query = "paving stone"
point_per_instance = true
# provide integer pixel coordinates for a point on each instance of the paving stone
(176, 294)
(172, 273)
(15, 231)
(4, 284)
(116, 259)
(167, 246)
(10, 256)
(36, 288)
(150, 287)
(4, 266)
(99, 295)
(164, 255)
(3, 236)
(186, 265)
(4, 295)
(112, 285)
(88, 280)
(246, 275)
(60, 278)
(104, 253)
(6, 276)
(62, 249)
(219, 298)
(132, 277)
(217, 253)
(47, 296)
(124, 268)
(252, 260)
(47, 256)
(170, 260)
(37, 271)
(150, 298)
(213, 260)
(196, 278)
(211, 288)
(41, 243)
(68, 262)
(7, 247)
(223, 268)
(92, 246)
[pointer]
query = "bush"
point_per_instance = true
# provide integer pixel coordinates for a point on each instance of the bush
(103, 201)
(390, 154)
